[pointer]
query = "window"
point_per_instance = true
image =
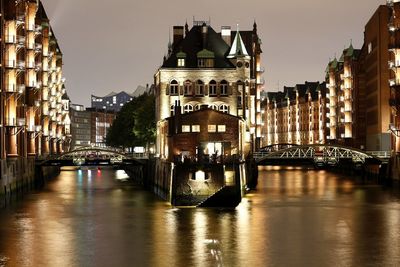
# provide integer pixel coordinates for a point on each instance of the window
(223, 87)
(188, 88)
(212, 128)
(239, 101)
(221, 128)
(224, 108)
(199, 88)
(173, 88)
(185, 128)
(198, 107)
(114, 100)
(181, 62)
(369, 48)
(213, 88)
(172, 110)
(196, 128)
(187, 108)
(201, 62)
(214, 107)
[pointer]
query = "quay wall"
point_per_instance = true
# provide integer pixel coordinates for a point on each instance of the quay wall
(20, 175)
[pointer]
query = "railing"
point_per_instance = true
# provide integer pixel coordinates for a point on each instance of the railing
(380, 154)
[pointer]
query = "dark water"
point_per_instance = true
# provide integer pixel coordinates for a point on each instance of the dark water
(296, 218)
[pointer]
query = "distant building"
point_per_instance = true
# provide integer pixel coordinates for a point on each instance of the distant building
(115, 101)
(80, 126)
(100, 121)
(296, 116)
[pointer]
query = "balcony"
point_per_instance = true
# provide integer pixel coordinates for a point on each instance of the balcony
(38, 47)
(30, 64)
(21, 64)
(10, 39)
(21, 40)
(15, 122)
(21, 88)
(10, 88)
(394, 82)
(260, 82)
(260, 70)
(10, 64)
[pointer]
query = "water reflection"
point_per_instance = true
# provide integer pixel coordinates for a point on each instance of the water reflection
(296, 217)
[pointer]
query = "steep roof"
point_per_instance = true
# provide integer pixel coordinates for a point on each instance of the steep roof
(238, 48)
(192, 44)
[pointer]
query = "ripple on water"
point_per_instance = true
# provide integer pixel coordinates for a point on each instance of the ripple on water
(3, 261)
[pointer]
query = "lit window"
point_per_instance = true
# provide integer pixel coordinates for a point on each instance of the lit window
(199, 88)
(213, 88)
(195, 128)
(114, 99)
(187, 88)
(369, 48)
(221, 128)
(224, 108)
(223, 87)
(214, 107)
(181, 62)
(173, 88)
(187, 108)
(212, 128)
(185, 128)
(201, 62)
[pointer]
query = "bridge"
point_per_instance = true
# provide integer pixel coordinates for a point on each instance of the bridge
(320, 155)
(92, 156)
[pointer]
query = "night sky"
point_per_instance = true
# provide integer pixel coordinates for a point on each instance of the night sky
(115, 45)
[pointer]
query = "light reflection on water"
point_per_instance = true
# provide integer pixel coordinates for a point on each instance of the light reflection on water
(296, 217)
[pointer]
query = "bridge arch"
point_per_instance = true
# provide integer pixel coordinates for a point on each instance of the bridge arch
(322, 152)
(90, 156)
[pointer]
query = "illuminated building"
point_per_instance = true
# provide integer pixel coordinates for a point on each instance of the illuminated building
(346, 126)
(34, 106)
(208, 114)
(218, 70)
(115, 101)
(296, 116)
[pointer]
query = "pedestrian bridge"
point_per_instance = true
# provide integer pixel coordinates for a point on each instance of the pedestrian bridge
(320, 154)
(89, 156)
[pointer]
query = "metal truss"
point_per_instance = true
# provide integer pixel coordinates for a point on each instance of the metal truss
(316, 152)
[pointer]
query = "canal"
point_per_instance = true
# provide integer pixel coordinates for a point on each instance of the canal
(297, 217)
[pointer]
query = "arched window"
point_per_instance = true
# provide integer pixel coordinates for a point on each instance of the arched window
(197, 107)
(173, 88)
(212, 106)
(224, 108)
(188, 88)
(199, 88)
(212, 88)
(187, 108)
(223, 87)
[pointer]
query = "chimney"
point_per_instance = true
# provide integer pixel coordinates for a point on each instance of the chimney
(204, 33)
(178, 34)
(226, 34)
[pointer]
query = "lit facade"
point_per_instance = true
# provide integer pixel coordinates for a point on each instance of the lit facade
(343, 78)
(220, 71)
(296, 116)
(394, 73)
(35, 117)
